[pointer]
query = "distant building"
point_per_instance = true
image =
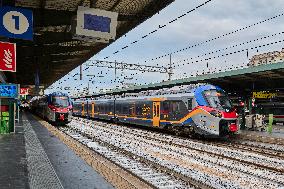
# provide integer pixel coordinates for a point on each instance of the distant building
(267, 58)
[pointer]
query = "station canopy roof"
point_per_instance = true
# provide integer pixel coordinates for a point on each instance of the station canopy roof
(262, 77)
(53, 52)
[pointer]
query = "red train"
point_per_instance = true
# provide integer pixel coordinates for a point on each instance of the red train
(55, 107)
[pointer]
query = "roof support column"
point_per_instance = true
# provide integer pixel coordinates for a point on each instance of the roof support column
(2, 77)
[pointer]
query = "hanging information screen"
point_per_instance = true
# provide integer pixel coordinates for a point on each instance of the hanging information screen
(95, 23)
(8, 91)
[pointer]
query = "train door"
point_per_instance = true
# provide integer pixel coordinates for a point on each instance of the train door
(132, 110)
(83, 109)
(93, 109)
(156, 114)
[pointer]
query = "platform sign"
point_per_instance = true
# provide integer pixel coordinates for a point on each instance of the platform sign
(24, 91)
(16, 23)
(7, 57)
(96, 23)
(264, 94)
(8, 91)
(35, 91)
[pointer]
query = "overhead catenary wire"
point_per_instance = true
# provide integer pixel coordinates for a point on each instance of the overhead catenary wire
(215, 38)
(221, 37)
(223, 55)
(159, 28)
(233, 46)
(214, 57)
(234, 52)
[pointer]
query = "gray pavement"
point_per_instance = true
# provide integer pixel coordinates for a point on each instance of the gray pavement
(13, 163)
(34, 158)
(277, 132)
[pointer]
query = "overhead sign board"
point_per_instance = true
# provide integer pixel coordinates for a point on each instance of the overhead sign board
(7, 57)
(24, 91)
(35, 90)
(16, 23)
(8, 91)
(96, 23)
(263, 94)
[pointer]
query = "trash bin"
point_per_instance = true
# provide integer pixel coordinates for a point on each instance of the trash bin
(4, 127)
(249, 121)
(1, 127)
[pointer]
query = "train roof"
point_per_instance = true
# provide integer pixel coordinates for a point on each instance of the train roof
(58, 93)
(168, 94)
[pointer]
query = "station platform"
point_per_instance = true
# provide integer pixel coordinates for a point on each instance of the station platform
(275, 137)
(33, 158)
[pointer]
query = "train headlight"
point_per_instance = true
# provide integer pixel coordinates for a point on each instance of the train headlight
(53, 108)
(233, 127)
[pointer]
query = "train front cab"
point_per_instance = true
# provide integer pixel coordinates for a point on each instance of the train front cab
(216, 116)
(59, 109)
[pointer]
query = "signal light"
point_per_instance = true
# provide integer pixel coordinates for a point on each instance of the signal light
(233, 127)
(53, 108)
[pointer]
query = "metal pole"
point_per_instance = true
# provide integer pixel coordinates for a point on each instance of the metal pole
(88, 88)
(81, 72)
(115, 71)
(170, 68)
(0, 114)
(114, 108)
(18, 112)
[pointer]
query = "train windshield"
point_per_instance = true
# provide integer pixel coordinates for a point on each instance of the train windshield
(60, 101)
(218, 100)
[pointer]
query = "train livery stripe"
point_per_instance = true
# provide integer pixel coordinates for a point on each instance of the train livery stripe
(188, 116)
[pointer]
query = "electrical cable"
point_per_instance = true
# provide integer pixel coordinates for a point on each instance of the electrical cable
(235, 52)
(233, 46)
(159, 27)
(215, 38)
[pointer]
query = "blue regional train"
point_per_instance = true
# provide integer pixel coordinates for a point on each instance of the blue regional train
(203, 110)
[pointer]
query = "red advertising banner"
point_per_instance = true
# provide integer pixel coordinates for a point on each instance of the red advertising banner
(24, 91)
(7, 57)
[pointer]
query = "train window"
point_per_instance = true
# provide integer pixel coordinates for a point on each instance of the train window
(155, 110)
(138, 108)
(118, 108)
(177, 109)
(158, 110)
(189, 104)
(165, 108)
(218, 99)
(100, 108)
(61, 101)
(175, 106)
(125, 108)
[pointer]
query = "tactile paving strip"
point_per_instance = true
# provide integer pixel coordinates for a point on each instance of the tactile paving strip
(41, 173)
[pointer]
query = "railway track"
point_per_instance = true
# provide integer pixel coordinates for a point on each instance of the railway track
(154, 175)
(272, 150)
(199, 145)
(215, 166)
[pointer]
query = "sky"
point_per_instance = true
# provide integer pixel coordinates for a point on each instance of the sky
(212, 20)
